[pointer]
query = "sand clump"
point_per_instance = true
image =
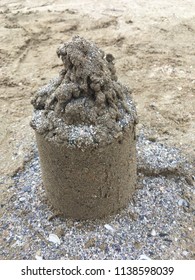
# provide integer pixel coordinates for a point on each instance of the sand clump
(85, 104)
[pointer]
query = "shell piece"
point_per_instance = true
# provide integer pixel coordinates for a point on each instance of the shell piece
(38, 258)
(54, 238)
(144, 257)
(153, 232)
(110, 228)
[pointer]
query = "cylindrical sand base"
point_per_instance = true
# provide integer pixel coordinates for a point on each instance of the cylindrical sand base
(89, 184)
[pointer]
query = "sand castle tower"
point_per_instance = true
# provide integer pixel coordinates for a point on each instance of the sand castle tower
(84, 122)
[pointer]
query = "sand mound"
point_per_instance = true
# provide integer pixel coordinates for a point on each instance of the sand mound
(85, 104)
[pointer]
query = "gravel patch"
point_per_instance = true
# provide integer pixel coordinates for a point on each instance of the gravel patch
(157, 224)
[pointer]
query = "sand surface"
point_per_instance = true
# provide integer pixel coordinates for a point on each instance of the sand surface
(152, 41)
(153, 44)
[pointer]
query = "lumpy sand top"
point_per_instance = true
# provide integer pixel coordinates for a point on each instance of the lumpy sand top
(84, 105)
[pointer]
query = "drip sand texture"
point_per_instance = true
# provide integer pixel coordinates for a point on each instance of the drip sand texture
(84, 121)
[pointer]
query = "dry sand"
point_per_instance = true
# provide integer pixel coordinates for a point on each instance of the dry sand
(152, 41)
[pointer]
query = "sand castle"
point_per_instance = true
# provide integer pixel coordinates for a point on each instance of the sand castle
(85, 121)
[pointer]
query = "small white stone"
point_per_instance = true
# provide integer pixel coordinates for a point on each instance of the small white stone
(54, 238)
(144, 257)
(38, 257)
(110, 228)
(153, 232)
(182, 202)
(184, 253)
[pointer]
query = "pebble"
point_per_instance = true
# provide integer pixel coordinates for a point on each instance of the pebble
(38, 258)
(183, 202)
(27, 189)
(144, 257)
(38, 255)
(59, 231)
(163, 234)
(110, 228)
(54, 238)
(153, 232)
(185, 253)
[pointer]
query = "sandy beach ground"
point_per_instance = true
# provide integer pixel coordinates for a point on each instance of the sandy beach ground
(154, 47)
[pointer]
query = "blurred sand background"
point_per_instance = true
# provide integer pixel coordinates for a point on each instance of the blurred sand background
(154, 46)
